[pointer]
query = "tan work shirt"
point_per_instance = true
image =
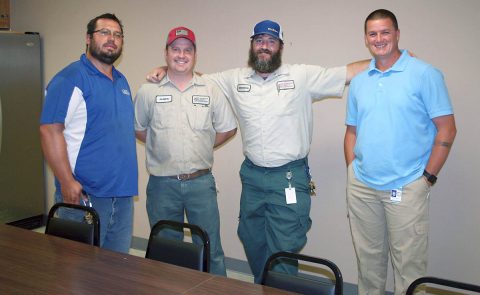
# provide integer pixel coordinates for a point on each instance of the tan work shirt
(181, 126)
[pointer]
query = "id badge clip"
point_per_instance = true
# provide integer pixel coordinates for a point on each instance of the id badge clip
(396, 195)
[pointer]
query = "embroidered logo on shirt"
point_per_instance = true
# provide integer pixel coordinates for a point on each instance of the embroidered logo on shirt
(244, 87)
(163, 98)
(125, 91)
(285, 85)
(201, 100)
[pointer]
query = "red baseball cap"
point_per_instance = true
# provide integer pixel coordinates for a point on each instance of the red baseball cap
(180, 32)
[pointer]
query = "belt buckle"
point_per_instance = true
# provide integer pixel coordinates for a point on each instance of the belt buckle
(183, 177)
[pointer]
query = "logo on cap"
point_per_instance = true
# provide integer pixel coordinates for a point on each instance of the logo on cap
(180, 32)
(270, 29)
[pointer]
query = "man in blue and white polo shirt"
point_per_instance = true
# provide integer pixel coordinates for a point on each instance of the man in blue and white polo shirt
(88, 136)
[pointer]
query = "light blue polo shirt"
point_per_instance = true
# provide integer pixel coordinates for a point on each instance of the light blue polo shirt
(393, 112)
(99, 130)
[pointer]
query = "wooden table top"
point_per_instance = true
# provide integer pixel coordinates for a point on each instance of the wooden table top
(35, 263)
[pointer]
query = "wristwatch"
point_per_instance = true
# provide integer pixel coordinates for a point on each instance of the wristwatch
(430, 177)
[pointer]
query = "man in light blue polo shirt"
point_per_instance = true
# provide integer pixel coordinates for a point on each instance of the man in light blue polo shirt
(88, 136)
(400, 127)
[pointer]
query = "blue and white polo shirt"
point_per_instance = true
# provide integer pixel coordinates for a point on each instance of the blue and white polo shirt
(98, 115)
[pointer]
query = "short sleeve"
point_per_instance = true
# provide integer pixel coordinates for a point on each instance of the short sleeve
(325, 82)
(142, 106)
(434, 93)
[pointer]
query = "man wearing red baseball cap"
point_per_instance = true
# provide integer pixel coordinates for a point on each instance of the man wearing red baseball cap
(181, 120)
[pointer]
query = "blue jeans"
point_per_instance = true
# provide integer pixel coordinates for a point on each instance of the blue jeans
(169, 198)
(267, 223)
(116, 220)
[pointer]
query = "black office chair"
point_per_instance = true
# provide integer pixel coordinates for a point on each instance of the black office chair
(301, 283)
(443, 282)
(85, 232)
(179, 252)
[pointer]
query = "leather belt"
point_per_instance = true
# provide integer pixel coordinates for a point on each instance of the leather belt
(191, 175)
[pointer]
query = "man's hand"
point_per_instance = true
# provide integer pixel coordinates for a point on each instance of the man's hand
(72, 192)
(157, 74)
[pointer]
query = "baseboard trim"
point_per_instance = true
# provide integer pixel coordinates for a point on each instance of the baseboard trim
(139, 243)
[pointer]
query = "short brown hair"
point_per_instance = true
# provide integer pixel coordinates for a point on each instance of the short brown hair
(381, 14)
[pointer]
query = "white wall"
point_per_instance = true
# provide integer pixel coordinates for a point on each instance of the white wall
(442, 32)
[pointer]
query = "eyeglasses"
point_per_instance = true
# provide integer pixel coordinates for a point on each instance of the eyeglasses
(108, 33)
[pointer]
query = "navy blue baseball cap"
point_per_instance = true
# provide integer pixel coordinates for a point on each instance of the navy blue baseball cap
(268, 27)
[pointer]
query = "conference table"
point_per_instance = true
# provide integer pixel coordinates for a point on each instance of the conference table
(35, 263)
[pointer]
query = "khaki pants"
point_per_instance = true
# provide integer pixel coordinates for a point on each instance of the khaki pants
(380, 226)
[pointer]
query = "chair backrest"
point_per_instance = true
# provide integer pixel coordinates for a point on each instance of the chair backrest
(74, 230)
(442, 282)
(300, 283)
(179, 252)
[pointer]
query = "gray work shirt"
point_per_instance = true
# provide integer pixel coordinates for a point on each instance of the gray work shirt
(275, 114)
(181, 126)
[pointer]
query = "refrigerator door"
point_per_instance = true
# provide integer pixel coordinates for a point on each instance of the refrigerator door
(22, 189)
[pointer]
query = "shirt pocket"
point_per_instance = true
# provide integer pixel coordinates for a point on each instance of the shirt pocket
(164, 115)
(200, 118)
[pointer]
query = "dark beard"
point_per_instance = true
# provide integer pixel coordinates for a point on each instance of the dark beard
(265, 66)
(106, 58)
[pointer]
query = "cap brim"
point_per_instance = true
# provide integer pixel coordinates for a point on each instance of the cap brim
(266, 33)
(178, 37)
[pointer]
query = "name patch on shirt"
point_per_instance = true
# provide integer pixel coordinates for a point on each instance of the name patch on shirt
(125, 91)
(285, 85)
(201, 100)
(163, 98)
(244, 87)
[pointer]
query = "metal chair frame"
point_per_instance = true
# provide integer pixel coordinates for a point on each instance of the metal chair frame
(296, 256)
(58, 226)
(441, 282)
(185, 250)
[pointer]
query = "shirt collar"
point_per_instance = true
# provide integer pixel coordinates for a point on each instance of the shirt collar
(91, 67)
(196, 80)
(282, 70)
(398, 66)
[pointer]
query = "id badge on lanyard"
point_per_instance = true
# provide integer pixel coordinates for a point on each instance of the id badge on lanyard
(290, 195)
